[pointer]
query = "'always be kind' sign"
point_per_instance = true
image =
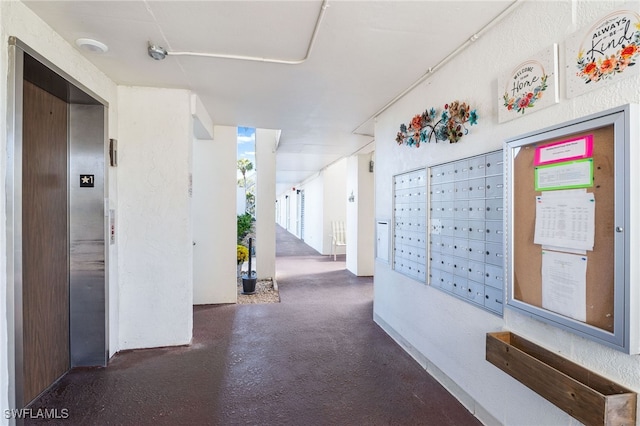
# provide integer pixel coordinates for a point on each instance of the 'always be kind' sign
(603, 53)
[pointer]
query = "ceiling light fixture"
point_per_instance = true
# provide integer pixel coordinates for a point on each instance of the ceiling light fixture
(91, 45)
(156, 52)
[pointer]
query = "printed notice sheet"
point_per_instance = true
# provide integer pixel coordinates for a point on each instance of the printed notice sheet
(564, 284)
(571, 149)
(565, 219)
(572, 174)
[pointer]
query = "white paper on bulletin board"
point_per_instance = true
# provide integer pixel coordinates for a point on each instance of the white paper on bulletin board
(564, 284)
(566, 219)
(566, 175)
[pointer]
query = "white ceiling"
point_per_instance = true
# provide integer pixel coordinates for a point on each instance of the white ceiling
(365, 54)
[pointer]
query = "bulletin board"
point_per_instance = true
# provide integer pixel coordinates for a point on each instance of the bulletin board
(596, 296)
(527, 256)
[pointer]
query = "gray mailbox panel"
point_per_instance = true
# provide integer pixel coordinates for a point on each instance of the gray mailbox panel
(466, 230)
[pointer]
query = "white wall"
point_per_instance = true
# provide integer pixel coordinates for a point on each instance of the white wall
(214, 222)
(445, 334)
(314, 212)
(280, 210)
(287, 208)
(241, 200)
(325, 198)
(366, 217)
(360, 221)
(351, 231)
(18, 21)
(265, 202)
(156, 252)
(291, 206)
(334, 201)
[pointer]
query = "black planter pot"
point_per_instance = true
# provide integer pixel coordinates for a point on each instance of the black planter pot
(249, 280)
(249, 283)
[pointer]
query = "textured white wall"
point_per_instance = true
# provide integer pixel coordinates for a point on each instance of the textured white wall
(265, 202)
(280, 210)
(313, 212)
(366, 219)
(214, 223)
(325, 201)
(334, 201)
(292, 221)
(353, 210)
(241, 201)
(360, 222)
(156, 252)
(18, 21)
(445, 334)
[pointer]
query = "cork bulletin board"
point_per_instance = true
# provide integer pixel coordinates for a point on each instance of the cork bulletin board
(527, 256)
(546, 227)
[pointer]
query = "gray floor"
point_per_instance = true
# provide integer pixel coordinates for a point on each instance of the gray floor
(316, 358)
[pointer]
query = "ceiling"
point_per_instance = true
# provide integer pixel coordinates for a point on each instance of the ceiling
(365, 53)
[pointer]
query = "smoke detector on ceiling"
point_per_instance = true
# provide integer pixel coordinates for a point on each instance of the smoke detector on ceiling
(91, 45)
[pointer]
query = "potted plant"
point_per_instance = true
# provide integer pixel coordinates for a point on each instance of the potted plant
(243, 255)
(251, 278)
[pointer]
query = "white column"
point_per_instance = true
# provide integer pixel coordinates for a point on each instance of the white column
(154, 233)
(214, 217)
(360, 216)
(266, 203)
(334, 201)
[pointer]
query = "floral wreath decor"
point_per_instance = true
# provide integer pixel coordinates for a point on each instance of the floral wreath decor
(525, 100)
(595, 70)
(449, 127)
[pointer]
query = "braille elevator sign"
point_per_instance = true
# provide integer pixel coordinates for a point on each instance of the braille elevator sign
(86, 181)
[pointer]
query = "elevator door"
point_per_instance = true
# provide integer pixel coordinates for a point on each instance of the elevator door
(45, 256)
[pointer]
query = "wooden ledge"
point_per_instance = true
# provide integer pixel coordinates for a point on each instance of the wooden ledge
(588, 397)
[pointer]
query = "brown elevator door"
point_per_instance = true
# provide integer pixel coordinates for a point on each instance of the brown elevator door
(45, 236)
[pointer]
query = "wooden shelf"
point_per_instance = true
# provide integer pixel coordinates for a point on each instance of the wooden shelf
(586, 396)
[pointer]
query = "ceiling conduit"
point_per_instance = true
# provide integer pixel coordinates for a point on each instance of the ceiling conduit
(158, 53)
(440, 64)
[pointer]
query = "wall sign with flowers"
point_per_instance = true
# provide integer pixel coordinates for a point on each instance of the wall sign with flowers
(448, 125)
(529, 86)
(603, 53)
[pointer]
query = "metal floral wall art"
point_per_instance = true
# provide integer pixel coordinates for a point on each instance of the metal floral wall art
(449, 125)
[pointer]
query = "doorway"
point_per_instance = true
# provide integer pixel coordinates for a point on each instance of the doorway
(56, 225)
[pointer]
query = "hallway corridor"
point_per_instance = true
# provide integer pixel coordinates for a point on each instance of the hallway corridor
(316, 358)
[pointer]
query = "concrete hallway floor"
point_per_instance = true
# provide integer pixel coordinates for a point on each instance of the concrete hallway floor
(316, 358)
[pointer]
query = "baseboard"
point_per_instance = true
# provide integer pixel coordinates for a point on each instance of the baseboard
(452, 387)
